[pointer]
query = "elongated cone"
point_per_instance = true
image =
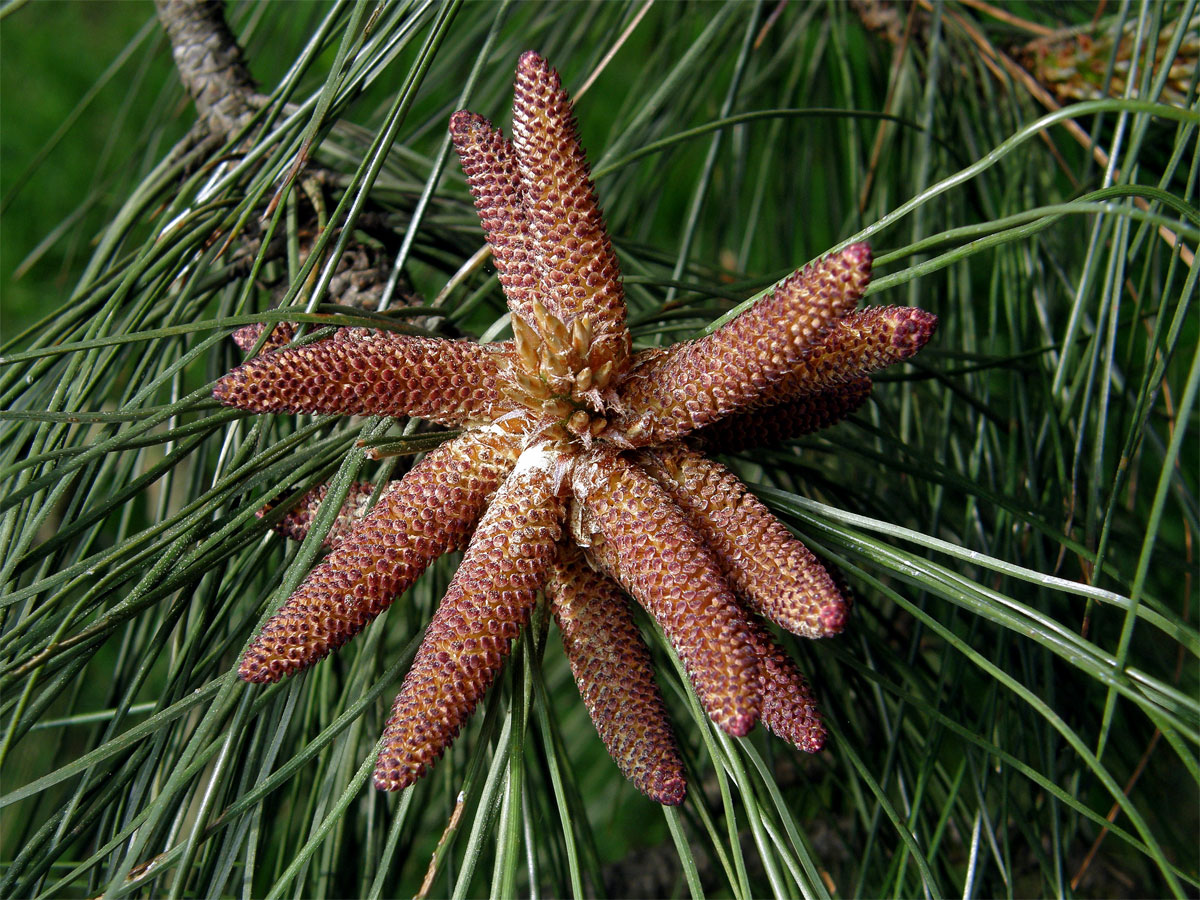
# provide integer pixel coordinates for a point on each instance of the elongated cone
(827, 384)
(613, 672)
(640, 537)
(789, 709)
(491, 169)
(281, 335)
(697, 383)
(298, 520)
(806, 414)
(363, 372)
(583, 278)
(776, 574)
(427, 513)
(488, 601)
(862, 342)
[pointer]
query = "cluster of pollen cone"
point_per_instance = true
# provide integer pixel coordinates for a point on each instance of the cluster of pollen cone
(580, 473)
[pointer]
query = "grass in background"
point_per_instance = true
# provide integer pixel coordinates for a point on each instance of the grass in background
(1014, 708)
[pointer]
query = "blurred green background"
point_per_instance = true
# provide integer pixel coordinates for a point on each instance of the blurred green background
(52, 55)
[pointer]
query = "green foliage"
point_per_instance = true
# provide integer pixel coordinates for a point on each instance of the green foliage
(1015, 513)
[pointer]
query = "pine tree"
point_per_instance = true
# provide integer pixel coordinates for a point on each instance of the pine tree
(1013, 707)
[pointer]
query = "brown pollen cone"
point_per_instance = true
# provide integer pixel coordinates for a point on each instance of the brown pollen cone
(490, 165)
(863, 342)
(281, 335)
(430, 511)
(694, 384)
(363, 372)
(642, 539)
(776, 574)
(771, 425)
(488, 601)
(566, 410)
(789, 709)
(582, 276)
(297, 521)
(613, 672)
